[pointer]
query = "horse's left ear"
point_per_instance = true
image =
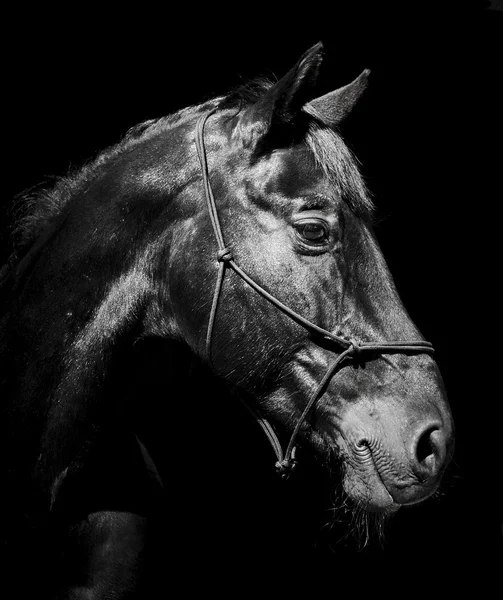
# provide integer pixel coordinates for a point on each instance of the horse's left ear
(333, 107)
(283, 102)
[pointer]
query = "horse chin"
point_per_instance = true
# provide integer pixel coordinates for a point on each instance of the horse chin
(363, 483)
(366, 490)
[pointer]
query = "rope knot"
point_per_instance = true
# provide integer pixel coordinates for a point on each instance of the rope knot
(224, 255)
(285, 467)
(356, 350)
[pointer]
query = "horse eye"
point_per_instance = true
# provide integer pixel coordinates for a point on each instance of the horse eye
(313, 232)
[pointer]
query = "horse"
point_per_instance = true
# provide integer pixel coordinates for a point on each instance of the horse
(236, 235)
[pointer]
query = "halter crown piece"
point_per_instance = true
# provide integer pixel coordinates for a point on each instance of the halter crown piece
(285, 462)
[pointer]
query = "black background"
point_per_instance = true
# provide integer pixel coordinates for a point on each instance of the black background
(425, 134)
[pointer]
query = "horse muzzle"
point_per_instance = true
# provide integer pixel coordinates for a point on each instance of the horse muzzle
(393, 461)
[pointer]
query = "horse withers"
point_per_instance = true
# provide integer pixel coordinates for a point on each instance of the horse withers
(241, 231)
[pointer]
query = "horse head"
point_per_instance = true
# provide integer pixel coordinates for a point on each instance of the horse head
(294, 216)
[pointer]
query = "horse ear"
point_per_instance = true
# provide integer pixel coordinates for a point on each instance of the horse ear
(282, 103)
(333, 107)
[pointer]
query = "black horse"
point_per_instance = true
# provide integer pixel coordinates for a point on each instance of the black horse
(235, 235)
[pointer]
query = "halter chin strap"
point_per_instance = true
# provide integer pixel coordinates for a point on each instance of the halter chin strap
(349, 348)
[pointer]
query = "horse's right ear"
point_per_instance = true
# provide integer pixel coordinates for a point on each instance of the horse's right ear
(334, 107)
(280, 107)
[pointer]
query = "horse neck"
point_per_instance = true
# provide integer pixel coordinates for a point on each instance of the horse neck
(77, 300)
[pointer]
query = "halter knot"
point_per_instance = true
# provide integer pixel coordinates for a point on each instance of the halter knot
(285, 467)
(356, 350)
(224, 255)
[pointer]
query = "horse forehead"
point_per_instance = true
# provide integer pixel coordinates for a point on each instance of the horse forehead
(289, 172)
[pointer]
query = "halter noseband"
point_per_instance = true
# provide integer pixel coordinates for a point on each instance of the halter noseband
(285, 461)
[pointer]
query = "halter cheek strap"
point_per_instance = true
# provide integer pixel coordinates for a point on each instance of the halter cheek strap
(349, 348)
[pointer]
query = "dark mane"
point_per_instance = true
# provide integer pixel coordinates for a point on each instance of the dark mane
(37, 207)
(247, 93)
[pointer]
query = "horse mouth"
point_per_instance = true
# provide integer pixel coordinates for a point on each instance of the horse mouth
(389, 487)
(393, 506)
(365, 483)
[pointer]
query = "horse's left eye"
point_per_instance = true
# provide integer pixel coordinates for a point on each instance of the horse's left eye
(313, 232)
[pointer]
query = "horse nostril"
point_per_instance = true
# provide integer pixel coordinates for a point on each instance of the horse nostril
(424, 446)
(429, 452)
